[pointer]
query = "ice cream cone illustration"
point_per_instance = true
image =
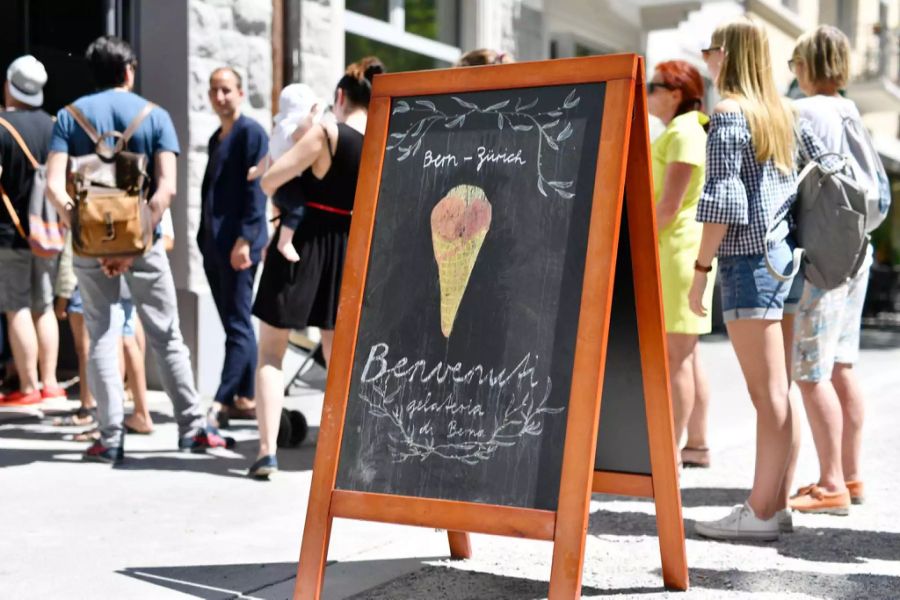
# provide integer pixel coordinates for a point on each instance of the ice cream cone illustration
(459, 224)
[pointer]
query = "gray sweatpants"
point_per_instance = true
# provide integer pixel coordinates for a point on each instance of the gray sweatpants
(153, 292)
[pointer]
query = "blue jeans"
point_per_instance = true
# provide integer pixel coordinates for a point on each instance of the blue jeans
(749, 291)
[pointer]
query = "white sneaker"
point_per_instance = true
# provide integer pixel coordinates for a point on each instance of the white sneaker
(785, 521)
(740, 524)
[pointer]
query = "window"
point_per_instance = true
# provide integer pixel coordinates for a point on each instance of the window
(406, 35)
(58, 33)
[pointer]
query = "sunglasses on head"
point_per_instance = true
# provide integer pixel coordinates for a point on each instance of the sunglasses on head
(655, 85)
(707, 51)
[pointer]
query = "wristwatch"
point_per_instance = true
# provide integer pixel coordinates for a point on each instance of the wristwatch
(701, 268)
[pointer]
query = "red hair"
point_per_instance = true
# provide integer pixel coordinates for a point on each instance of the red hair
(683, 76)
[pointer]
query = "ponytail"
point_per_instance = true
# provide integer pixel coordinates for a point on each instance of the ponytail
(357, 80)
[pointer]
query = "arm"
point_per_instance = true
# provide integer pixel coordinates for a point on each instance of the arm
(56, 185)
(296, 160)
(677, 179)
(166, 174)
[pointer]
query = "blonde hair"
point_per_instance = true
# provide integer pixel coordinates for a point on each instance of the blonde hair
(484, 56)
(746, 77)
(825, 52)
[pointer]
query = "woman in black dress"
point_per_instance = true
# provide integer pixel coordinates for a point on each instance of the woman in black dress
(305, 293)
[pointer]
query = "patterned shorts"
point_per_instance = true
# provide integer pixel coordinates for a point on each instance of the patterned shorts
(826, 329)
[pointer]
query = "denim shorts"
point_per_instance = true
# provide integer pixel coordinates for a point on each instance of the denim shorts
(748, 289)
(76, 305)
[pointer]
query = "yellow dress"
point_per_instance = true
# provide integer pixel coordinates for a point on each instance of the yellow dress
(683, 141)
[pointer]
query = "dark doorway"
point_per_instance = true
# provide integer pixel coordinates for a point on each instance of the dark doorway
(58, 33)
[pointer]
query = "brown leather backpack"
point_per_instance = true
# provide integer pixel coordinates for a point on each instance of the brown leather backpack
(111, 216)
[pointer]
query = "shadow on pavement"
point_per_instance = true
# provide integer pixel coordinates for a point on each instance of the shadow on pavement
(815, 544)
(694, 497)
(440, 583)
(797, 582)
(271, 581)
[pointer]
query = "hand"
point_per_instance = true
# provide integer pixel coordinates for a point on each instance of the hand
(113, 267)
(60, 307)
(306, 124)
(254, 173)
(695, 295)
(65, 216)
(156, 211)
(240, 255)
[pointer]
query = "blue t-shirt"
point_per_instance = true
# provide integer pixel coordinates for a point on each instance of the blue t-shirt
(112, 110)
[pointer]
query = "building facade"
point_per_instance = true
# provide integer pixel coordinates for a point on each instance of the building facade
(274, 42)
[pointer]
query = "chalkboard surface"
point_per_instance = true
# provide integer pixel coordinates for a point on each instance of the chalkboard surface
(463, 360)
(622, 441)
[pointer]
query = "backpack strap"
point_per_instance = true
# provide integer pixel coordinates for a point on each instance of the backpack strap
(12, 213)
(18, 138)
(86, 127)
(133, 126)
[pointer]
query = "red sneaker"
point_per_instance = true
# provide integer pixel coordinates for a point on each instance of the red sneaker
(53, 393)
(20, 398)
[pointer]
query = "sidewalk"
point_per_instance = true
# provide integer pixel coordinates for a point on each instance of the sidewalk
(167, 525)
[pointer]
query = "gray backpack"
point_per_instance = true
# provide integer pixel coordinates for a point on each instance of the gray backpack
(867, 170)
(831, 213)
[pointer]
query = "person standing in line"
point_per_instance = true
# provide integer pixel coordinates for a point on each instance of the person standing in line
(675, 96)
(149, 277)
(751, 183)
(827, 326)
(294, 295)
(26, 295)
(232, 235)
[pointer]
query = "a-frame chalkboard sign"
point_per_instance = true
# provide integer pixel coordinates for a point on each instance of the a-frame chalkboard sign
(495, 294)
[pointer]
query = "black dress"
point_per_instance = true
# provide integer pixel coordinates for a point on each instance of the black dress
(305, 293)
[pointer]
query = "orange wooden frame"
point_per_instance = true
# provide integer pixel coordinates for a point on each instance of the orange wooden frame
(624, 161)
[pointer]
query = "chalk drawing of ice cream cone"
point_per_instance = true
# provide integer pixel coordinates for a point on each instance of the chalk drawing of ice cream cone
(459, 224)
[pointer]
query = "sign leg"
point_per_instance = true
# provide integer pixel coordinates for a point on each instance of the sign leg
(460, 544)
(651, 333)
(313, 554)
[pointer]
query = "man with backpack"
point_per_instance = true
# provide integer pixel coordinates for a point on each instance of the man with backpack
(26, 294)
(146, 144)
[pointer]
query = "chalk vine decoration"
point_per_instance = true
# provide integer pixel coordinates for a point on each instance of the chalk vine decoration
(523, 416)
(519, 117)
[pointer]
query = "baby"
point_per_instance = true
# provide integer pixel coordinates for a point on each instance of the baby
(296, 103)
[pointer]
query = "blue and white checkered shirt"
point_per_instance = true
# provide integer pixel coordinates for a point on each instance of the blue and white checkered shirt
(741, 192)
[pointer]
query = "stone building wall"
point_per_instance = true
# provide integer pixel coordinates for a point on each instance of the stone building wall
(236, 33)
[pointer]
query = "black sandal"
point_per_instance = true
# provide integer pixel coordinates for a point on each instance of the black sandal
(82, 417)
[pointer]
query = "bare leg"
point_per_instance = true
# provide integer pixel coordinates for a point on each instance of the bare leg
(823, 410)
(47, 328)
(23, 339)
(270, 385)
(849, 393)
(134, 348)
(787, 333)
(696, 427)
(286, 244)
(681, 348)
(327, 343)
(82, 347)
(760, 352)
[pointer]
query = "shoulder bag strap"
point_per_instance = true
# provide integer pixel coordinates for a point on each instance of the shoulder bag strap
(133, 126)
(15, 134)
(12, 213)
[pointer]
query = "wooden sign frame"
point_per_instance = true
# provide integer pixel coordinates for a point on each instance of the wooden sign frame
(623, 163)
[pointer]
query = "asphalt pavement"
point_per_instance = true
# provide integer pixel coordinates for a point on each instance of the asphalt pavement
(168, 525)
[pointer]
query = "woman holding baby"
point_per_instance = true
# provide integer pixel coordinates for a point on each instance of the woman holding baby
(314, 184)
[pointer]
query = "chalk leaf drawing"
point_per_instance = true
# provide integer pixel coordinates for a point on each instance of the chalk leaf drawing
(412, 439)
(520, 117)
(459, 224)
